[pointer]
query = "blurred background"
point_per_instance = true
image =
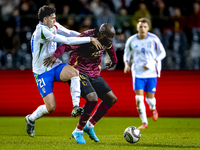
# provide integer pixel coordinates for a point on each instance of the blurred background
(175, 22)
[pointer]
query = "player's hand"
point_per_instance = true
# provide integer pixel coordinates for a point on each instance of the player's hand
(109, 64)
(49, 61)
(127, 69)
(96, 43)
(145, 66)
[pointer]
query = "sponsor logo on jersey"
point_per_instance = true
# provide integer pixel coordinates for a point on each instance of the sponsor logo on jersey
(95, 54)
(149, 44)
(81, 76)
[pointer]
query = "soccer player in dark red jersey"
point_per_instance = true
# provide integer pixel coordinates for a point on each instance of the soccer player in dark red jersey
(87, 59)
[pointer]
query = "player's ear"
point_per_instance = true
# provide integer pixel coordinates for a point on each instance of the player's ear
(44, 19)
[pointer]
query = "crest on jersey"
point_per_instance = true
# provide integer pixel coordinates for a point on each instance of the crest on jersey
(149, 44)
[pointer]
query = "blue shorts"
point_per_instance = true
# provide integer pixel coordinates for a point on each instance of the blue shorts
(45, 80)
(146, 84)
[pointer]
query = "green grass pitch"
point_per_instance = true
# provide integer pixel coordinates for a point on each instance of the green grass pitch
(55, 133)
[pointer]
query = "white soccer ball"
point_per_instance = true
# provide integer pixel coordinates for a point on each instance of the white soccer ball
(132, 134)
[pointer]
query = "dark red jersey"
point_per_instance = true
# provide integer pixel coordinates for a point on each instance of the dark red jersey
(86, 57)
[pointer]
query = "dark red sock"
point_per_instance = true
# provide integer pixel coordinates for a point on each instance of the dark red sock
(102, 109)
(88, 108)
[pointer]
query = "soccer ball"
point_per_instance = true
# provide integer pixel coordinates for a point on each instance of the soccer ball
(132, 134)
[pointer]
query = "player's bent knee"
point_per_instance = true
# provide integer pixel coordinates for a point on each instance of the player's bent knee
(114, 100)
(92, 97)
(75, 73)
(51, 108)
(110, 101)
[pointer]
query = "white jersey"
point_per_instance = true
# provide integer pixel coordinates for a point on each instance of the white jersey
(44, 43)
(145, 51)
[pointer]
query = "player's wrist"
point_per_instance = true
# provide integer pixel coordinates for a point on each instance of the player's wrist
(55, 55)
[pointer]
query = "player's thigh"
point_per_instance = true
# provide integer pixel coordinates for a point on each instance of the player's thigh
(100, 86)
(87, 90)
(151, 84)
(50, 102)
(139, 92)
(139, 86)
(66, 72)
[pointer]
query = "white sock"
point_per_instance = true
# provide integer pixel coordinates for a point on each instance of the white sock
(78, 130)
(75, 90)
(89, 124)
(152, 103)
(38, 113)
(141, 108)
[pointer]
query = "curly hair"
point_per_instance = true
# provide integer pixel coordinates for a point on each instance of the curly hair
(45, 11)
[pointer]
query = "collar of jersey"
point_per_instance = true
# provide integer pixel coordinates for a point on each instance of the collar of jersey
(145, 37)
(41, 23)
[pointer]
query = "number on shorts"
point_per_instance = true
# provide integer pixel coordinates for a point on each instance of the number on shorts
(41, 83)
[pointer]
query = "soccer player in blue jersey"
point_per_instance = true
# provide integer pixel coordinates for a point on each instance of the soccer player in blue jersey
(147, 52)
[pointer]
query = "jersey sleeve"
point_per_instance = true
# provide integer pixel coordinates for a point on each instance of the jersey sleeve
(160, 51)
(64, 31)
(46, 34)
(127, 50)
(112, 54)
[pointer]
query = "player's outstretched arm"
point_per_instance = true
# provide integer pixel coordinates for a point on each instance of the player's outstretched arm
(70, 40)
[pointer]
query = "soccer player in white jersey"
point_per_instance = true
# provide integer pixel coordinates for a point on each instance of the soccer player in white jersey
(43, 45)
(147, 52)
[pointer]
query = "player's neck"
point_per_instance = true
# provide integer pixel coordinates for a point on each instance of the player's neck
(142, 36)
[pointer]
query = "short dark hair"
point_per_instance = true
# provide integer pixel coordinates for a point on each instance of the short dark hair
(45, 11)
(145, 20)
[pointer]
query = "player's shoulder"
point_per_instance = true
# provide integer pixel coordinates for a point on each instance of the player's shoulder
(132, 38)
(43, 27)
(90, 33)
(153, 36)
